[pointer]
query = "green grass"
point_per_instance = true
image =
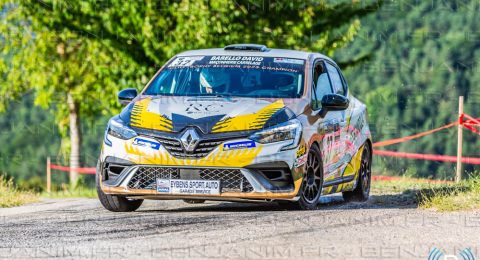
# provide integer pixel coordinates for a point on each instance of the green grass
(82, 192)
(11, 196)
(436, 196)
(403, 185)
(464, 195)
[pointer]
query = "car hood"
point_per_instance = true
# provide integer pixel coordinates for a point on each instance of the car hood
(208, 114)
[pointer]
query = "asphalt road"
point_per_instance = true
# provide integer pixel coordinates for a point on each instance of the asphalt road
(386, 227)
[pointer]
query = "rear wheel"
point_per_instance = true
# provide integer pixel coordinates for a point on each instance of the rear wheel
(362, 190)
(115, 203)
(312, 182)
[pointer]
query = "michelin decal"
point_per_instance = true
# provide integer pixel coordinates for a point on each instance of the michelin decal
(239, 145)
(146, 143)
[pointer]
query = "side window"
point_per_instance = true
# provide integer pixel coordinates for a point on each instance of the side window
(322, 85)
(337, 82)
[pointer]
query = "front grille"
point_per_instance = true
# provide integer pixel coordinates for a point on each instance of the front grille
(231, 180)
(175, 148)
(145, 177)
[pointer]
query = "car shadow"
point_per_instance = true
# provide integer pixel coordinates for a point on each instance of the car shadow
(405, 199)
(216, 206)
(410, 198)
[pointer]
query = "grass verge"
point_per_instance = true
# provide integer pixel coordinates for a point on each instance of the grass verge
(399, 192)
(431, 195)
(11, 196)
(403, 185)
(82, 192)
(464, 195)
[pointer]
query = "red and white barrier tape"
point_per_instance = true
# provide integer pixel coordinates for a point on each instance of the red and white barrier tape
(470, 123)
(84, 170)
(428, 157)
(411, 137)
(400, 178)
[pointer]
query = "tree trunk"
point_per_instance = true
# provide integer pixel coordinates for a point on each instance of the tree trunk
(75, 139)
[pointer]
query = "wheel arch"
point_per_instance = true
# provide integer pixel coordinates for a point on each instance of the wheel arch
(370, 144)
(316, 143)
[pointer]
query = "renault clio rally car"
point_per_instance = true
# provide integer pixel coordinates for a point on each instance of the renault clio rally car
(242, 123)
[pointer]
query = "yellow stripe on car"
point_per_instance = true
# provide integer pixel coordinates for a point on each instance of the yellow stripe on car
(354, 165)
(247, 122)
(219, 157)
(143, 118)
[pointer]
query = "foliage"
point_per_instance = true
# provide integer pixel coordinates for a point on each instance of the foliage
(11, 196)
(83, 192)
(44, 58)
(404, 185)
(29, 135)
(462, 196)
(150, 32)
(425, 55)
(82, 189)
(91, 47)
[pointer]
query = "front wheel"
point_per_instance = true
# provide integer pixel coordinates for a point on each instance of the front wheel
(116, 203)
(362, 190)
(312, 183)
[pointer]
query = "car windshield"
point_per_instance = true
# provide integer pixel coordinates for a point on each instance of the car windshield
(244, 76)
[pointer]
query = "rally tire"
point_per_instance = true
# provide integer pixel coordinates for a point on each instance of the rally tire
(362, 190)
(116, 203)
(312, 183)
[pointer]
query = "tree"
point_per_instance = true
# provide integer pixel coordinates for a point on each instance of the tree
(63, 68)
(68, 52)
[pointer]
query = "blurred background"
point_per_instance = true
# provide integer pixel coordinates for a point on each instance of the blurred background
(62, 63)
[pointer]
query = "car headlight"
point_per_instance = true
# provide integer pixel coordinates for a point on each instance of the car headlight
(290, 130)
(117, 128)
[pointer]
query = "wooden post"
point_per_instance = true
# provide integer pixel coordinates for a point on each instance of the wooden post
(49, 176)
(458, 175)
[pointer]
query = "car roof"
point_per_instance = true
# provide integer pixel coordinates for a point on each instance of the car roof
(269, 53)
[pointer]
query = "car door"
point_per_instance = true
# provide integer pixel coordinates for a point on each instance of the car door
(328, 127)
(343, 148)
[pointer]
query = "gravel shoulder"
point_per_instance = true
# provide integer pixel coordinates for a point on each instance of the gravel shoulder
(388, 226)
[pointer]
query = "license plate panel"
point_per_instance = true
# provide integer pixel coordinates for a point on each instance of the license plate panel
(191, 187)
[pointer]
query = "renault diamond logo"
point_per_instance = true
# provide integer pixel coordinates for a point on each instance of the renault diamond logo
(190, 140)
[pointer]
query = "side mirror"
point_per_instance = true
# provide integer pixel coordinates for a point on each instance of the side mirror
(333, 102)
(126, 96)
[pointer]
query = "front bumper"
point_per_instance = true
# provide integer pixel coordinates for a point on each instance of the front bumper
(236, 183)
(261, 173)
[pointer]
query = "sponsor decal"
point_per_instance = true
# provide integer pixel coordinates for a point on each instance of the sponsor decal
(163, 185)
(239, 145)
(209, 187)
(286, 60)
(185, 61)
(236, 60)
(301, 150)
(301, 156)
(300, 160)
(146, 143)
